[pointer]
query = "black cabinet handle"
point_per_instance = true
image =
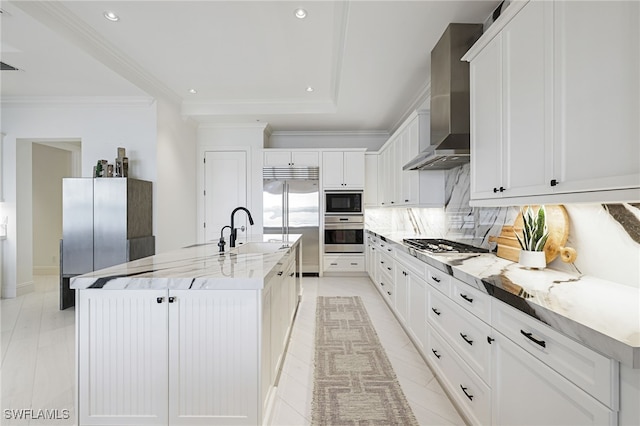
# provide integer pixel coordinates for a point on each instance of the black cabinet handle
(533, 339)
(436, 353)
(388, 268)
(172, 299)
(344, 218)
(465, 392)
(354, 263)
(404, 273)
(495, 190)
(280, 273)
(436, 279)
(406, 201)
(388, 249)
(490, 340)
(467, 298)
(553, 182)
(502, 189)
(382, 284)
(159, 299)
(382, 261)
(435, 311)
(464, 337)
(392, 202)
(292, 274)
(389, 293)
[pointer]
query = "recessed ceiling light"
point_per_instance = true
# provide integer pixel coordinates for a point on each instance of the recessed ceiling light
(193, 91)
(300, 13)
(309, 89)
(111, 16)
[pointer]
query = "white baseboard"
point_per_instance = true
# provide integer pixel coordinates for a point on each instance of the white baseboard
(25, 288)
(46, 270)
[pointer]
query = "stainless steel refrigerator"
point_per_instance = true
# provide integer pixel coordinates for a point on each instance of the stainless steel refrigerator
(291, 201)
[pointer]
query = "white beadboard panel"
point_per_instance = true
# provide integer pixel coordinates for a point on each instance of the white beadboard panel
(122, 357)
(214, 357)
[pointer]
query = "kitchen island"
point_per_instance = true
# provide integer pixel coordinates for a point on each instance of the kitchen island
(191, 336)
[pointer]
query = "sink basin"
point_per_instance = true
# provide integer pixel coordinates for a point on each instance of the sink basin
(257, 248)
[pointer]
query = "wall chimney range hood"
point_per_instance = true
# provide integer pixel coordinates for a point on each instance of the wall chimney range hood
(450, 138)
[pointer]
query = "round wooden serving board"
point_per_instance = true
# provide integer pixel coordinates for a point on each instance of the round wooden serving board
(558, 226)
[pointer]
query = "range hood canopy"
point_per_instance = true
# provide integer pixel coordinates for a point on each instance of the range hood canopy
(450, 137)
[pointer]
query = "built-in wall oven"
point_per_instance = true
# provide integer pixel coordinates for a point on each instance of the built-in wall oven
(344, 234)
(343, 202)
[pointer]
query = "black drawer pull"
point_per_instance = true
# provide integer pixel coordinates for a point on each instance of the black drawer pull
(382, 284)
(435, 311)
(292, 274)
(159, 299)
(388, 268)
(464, 337)
(388, 249)
(280, 273)
(404, 273)
(172, 299)
(436, 353)
(389, 293)
(467, 298)
(382, 261)
(465, 392)
(354, 263)
(533, 339)
(436, 279)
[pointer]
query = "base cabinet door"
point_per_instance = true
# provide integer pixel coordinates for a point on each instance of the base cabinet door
(528, 392)
(122, 357)
(213, 357)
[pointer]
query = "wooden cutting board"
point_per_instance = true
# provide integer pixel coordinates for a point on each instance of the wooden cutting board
(557, 223)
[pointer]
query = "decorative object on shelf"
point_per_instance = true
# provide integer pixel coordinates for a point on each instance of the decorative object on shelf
(534, 237)
(122, 163)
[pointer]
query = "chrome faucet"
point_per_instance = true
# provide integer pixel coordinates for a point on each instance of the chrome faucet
(234, 231)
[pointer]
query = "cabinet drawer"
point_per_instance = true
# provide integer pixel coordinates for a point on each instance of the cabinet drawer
(471, 394)
(439, 279)
(385, 263)
(344, 263)
(386, 285)
(473, 300)
(592, 372)
(386, 247)
(411, 264)
(466, 334)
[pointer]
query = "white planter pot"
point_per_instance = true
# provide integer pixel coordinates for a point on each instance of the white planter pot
(532, 259)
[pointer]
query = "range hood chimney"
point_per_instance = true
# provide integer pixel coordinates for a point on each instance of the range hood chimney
(450, 138)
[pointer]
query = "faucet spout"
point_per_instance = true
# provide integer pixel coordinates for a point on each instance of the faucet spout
(234, 231)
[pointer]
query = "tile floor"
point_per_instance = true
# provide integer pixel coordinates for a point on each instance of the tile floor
(38, 356)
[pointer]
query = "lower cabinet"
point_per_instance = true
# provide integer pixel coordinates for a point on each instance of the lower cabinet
(528, 392)
(182, 357)
(344, 262)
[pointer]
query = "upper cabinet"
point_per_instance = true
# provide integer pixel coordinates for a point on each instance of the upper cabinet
(548, 96)
(343, 169)
(291, 158)
(398, 187)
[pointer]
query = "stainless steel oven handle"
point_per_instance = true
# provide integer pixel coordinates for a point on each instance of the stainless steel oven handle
(344, 226)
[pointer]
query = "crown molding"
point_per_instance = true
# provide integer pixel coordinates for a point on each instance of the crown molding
(238, 125)
(257, 107)
(67, 101)
(61, 20)
(365, 133)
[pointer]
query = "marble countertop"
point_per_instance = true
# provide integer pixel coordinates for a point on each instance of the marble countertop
(197, 267)
(600, 314)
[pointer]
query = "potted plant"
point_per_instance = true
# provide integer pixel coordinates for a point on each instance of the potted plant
(534, 237)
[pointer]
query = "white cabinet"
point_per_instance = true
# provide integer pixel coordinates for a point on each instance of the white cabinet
(597, 97)
(370, 179)
(398, 187)
(343, 169)
(344, 262)
(511, 133)
(528, 392)
(148, 357)
(550, 97)
(291, 158)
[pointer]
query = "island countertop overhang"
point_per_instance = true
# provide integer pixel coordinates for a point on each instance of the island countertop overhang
(197, 267)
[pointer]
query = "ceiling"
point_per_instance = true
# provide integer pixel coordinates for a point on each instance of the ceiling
(367, 61)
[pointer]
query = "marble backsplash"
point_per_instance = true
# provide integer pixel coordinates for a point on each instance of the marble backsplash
(606, 236)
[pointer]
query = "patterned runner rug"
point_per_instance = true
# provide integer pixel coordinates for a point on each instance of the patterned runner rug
(354, 383)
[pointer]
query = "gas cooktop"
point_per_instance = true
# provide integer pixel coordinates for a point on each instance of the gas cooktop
(434, 245)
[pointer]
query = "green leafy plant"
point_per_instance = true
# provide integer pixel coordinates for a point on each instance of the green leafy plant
(534, 232)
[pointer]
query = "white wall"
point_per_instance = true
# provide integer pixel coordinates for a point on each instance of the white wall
(176, 184)
(101, 125)
(285, 139)
(50, 166)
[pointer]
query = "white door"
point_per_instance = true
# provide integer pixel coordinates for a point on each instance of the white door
(597, 95)
(332, 169)
(354, 169)
(213, 357)
(225, 186)
(122, 357)
(277, 158)
(521, 383)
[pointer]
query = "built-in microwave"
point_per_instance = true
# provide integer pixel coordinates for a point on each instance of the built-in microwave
(343, 202)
